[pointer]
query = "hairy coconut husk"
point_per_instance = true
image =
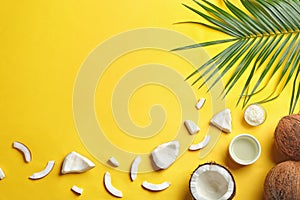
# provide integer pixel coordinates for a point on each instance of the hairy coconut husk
(287, 136)
(283, 182)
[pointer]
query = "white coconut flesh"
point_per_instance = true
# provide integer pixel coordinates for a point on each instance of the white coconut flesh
(24, 149)
(110, 188)
(77, 190)
(222, 120)
(200, 145)
(76, 163)
(155, 187)
(134, 168)
(191, 127)
(2, 175)
(44, 172)
(114, 162)
(212, 182)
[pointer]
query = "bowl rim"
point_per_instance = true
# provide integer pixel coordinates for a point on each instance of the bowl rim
(244, 135)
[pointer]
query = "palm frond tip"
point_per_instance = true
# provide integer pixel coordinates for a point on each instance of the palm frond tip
(270, 32)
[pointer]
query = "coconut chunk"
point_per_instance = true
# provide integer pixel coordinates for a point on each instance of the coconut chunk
(76, 163)
(191, 127)
(24, 149)
(201, 144)
(113, 161)
(77, 190)
(200, 103)
(222, 120)
(110, 188)
(155, 187)
(134, 168)
(44, 172)
(165, 154)
(2, 175)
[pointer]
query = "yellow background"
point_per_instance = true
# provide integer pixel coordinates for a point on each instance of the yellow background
(43, 44)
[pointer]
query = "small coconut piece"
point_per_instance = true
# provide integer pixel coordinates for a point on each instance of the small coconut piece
(44, 172)
(155, 187)
(255, 115)
(222, 120)
(77, 190)
(76, 163)
(287, 136)
(191, 127)
(110, 188)
(200, 103)
(200, 145)
(113, 161)
(165, 154)
(2, 175)
(212, 181)
(24, 149)
(283, 181)
(134, 168)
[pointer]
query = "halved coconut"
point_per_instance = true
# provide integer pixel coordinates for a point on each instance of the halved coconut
(212, 181)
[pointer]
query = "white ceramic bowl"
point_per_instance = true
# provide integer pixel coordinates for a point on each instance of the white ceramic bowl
(244, 149)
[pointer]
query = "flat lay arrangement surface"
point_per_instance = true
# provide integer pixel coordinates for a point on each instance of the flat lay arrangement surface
(103, 100)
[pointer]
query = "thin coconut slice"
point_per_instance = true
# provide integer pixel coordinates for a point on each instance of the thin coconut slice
(2, 175)
(200, 103)
(110, 188)
(44, 172)
(200, 145)
(222, 120)
(165, 154)
(155, 187)
(76, 163)
(24, 149)
(114, 162)
(212, 181)
(191, 127)
(77, 190)
(134, 167)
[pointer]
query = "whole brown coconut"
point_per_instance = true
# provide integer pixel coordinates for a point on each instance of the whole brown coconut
(287, 136)
(283, 182)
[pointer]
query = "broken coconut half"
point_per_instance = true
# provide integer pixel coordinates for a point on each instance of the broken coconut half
(212, 181)
(76, 163)
(165, 154)
(222, 120)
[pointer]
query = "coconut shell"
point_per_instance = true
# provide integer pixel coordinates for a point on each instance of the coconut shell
(283, 182)
(287, 136)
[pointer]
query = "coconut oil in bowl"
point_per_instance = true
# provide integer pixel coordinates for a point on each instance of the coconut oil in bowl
(244, 149)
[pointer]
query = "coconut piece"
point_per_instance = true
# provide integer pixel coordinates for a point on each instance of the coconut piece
(282, 181)
(155, 187)
(212, 181)
(134, 168)
(255, 115)
(222, 120)
(2, 175)
(113, 161)
(287, 137)
(77, 190)
(191, 127)
(165, 154)
(201, 144)
(200, 103)
(76, 163)
(110, 188)
(44, 172)
(24, 149)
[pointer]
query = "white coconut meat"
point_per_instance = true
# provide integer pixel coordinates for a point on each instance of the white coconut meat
(76, 163)
(200, 145)
(255, 114)
(191, 127)
(2, 174)
(134, 168)
(200, 103)
(44, 172)
(24, 149)
(77, 190)
(222, 120)
(113, 161)
(211, 181)
(155, 187)
(165, 154)
(110, 188)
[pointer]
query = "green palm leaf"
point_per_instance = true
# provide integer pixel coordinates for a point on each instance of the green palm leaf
(264, 45)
